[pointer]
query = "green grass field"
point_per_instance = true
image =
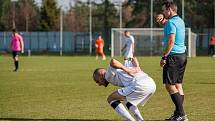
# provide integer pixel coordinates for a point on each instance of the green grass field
(61, 88)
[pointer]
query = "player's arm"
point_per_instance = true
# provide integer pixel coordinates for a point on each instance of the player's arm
(132, 46)
(102, 43)
(170, 44)
(96, 44)
(22, 44)
(136, 64)
(171, 30)
(117, 65)
(123, 48)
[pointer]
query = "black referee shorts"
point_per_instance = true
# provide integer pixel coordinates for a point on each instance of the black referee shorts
(173, 71)
(15, 53)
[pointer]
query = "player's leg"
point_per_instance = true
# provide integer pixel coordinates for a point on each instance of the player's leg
(182, 62)
(180, 90)
(209, 49)
(170, 77)
(176, 99)
(213, 50)
(97, 52)
(16, 60)
(115, 101)
(134, 109)
(140, 96)
(102, 54)
(128, 63)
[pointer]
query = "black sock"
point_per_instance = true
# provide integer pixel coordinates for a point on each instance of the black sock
(16, 65)
(128, 105)
(115, 104)
(177, 100)
(182, 98)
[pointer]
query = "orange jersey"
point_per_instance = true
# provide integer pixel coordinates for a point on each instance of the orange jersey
(100, 43)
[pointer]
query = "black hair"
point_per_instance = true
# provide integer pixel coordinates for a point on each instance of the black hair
(170, 4)
(96, 71)
(14, 30)
(125, 31)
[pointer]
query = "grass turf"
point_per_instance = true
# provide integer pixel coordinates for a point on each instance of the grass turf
(61, 88)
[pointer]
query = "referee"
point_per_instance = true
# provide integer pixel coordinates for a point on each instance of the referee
(174, 59)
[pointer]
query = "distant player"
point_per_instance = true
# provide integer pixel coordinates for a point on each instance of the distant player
(128, 48)
(136, 87)
(99, 47)
(17, 46)
(211, 44)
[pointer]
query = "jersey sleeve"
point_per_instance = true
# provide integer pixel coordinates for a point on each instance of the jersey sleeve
(132, 39)
(20, 38)
(171, 29)
(111, 72)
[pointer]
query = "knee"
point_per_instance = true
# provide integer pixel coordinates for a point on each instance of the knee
(16, 59)
(180, 89)
(171, 89)
(109, 99)
(113, 103)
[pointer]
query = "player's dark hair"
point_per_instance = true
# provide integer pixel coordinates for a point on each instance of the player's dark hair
(96, 71)
(14, 30)
(125, 31)
(170, 4)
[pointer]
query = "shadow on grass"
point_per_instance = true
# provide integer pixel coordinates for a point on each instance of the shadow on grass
(28, 119)
(206, 83)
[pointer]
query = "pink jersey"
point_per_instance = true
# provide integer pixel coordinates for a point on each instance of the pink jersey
(16, 42)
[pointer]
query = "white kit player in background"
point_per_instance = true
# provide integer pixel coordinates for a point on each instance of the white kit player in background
(136, 87)
(128, 48)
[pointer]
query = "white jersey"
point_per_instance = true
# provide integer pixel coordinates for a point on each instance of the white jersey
(120, 78)
(129, 49)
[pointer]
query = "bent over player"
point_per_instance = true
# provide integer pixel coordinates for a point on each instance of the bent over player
(136, 87)
(17, 46)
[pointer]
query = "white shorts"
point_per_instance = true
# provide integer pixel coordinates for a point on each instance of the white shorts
(136, 94)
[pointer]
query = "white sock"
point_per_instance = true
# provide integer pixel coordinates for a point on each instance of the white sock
(136, 112)
(123, 112)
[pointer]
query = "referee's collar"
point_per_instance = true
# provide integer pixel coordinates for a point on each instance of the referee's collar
(173, 16)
